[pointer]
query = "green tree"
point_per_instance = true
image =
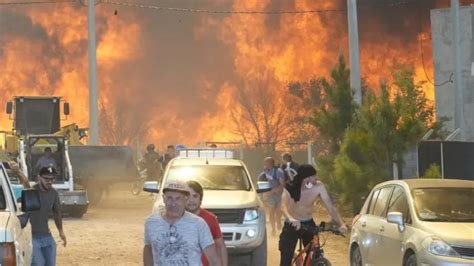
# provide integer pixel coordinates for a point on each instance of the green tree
(434, 171)
(330, 111)
(385, 127)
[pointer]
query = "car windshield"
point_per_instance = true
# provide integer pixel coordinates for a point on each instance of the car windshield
(444, 204)
(212, 177)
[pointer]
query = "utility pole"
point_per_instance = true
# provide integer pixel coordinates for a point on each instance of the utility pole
(93, 102)
(459, 100)
(354, 50)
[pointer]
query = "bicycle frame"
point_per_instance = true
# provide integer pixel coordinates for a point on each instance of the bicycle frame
(304, 256)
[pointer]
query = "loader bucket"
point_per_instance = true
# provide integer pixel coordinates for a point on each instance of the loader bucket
(102, 163)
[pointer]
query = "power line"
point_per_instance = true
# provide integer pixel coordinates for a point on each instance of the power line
(241, 12)
(249, 12)
(35, 2)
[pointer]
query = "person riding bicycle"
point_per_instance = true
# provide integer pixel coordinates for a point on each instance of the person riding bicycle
(298, 200)
(151, 160)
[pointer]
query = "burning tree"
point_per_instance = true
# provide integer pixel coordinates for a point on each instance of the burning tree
(119, 124)
(262, 115)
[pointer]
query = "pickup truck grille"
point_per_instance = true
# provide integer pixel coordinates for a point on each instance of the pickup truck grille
(465, 252)
(229, 216)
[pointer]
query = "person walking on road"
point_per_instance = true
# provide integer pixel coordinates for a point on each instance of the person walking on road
(194, 206)
(272, 199)
(174, 236)
(44, 246)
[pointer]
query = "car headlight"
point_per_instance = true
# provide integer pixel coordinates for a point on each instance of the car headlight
(438, 247)
(251, 214)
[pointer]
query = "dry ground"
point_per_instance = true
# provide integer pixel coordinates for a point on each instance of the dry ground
(112, 234)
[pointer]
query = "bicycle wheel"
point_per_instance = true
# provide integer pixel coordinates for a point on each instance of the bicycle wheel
(321, 262)
(137, 187)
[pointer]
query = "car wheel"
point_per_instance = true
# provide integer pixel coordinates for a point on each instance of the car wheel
(411, 260)
(356, 257)
(259, 255)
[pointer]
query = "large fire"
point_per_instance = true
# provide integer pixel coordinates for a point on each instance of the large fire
(163, 78)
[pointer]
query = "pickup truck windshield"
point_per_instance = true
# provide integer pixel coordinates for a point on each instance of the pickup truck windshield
(212, 177)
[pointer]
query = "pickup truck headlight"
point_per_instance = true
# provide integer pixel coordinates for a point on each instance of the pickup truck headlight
(251, 214)
(438, 247)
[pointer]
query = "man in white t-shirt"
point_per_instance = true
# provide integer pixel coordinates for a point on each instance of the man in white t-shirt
(175, 236)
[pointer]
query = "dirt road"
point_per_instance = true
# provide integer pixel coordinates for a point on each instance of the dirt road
(112, 234)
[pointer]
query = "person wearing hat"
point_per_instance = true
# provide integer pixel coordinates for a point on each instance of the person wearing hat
(174, 236)
(44, 246)
(298, 200)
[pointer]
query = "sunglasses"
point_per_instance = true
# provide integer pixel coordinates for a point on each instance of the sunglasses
(172, 234)
(48, 178)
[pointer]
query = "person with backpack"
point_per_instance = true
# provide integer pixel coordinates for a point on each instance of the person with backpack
(276, 177)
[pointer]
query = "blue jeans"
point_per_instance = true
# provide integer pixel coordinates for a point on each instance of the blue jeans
(44, 251)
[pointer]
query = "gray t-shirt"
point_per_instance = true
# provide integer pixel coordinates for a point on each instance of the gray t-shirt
(181, 243)
(39, 219)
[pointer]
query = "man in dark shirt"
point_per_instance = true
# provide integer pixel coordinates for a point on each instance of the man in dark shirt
(44, 246)
(152, 163)
(168, 156)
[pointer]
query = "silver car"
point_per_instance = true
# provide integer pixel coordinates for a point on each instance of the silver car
(415, 222)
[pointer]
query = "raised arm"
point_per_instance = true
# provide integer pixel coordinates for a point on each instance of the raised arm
(23, 178)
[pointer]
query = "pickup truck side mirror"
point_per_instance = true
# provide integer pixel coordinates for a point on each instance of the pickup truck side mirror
(30, 200)
(151, 186)
(263, 186)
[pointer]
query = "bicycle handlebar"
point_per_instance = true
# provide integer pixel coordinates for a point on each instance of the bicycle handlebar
(321, 228)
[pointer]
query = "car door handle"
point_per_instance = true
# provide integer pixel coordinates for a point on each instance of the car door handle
(382, 229)
(364, 224)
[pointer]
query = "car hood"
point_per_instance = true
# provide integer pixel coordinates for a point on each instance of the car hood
(220, 199)
(235, 199)
(455, 234)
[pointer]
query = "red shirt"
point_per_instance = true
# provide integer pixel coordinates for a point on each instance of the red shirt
(213, 224)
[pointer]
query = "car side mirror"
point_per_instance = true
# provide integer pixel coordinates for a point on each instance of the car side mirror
(9, 108)
(30, 200)
(151, 186)
(396, 218)
(263, 186)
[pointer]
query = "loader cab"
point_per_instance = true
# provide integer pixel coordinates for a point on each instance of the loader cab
(43, 151)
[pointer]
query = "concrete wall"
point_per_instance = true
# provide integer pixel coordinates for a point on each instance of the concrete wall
(443, 55)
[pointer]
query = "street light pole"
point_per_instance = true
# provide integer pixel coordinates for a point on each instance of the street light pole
(354, 50)
(93, 102)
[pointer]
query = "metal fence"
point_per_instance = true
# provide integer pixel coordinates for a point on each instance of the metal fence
(455, 158)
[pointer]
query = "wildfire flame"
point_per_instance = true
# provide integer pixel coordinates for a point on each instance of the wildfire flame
(43, 51)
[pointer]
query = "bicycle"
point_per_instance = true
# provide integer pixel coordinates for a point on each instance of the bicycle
(313, 253)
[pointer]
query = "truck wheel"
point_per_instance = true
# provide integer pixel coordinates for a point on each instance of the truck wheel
(259, 255)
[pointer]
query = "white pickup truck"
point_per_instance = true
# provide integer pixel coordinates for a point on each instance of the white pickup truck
(228, 193)
(15, 232)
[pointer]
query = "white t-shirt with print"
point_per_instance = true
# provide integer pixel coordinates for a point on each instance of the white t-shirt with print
(181, 243)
